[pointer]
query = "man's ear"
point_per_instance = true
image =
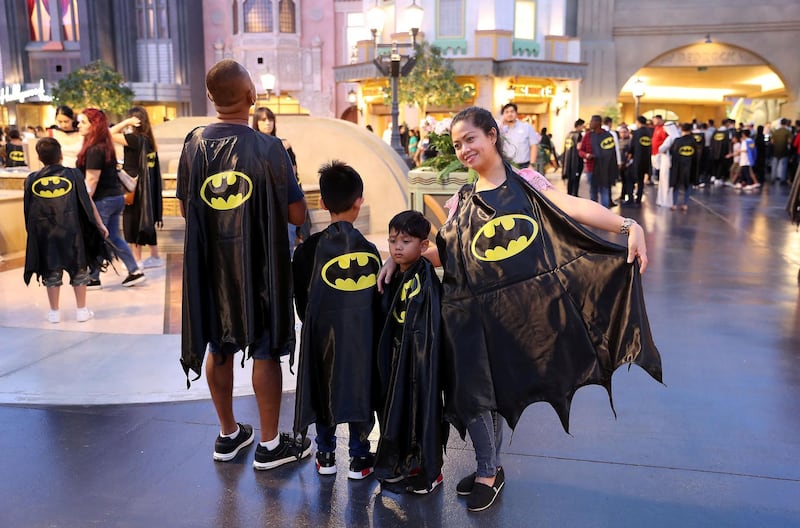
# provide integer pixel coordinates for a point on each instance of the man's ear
(322, 204)
(210, 98)
(424, 245)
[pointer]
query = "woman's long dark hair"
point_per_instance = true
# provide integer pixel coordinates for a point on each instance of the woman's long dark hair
(261, 114)
(144, 129)
(98, 135)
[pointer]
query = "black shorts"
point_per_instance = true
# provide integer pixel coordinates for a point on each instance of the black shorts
(259, 349)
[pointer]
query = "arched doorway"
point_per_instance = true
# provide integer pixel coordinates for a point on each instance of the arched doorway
(707, 80)
(351, 114)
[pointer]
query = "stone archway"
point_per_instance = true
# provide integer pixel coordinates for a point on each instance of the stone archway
(708, 80)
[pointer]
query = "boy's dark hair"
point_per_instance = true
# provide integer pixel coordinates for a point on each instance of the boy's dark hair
(48, 150)
(14, 134)
(412, 223)
(686, 127)
(340, 186)
(642, 120)
(509, 105)
(579, 122)
(746, 132)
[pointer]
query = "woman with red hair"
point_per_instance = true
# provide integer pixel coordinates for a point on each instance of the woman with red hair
(97, 160)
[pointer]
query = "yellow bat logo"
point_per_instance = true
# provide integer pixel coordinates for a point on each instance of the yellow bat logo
(409, 290)
(352, 271)
(645, 141)
(719, 136)
(51, 187)
(226, 190)
(16, 155)
(504, 237)
(151, 160)
(607, 143)
(568, 144)
(686, 150)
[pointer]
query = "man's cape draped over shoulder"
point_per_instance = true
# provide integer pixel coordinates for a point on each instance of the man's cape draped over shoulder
(411, 414)
(59, 218)
(338, 340)
(237, 285)
(549, 308)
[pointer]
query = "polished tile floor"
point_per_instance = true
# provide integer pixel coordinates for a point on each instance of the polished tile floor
(98, 428)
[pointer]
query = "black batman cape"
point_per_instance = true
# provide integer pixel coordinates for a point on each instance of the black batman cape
(145, 213)
(534, 306)
(413, 432)
(59, 218)
(605, 171)
(573, 163)
(339, 336)
(641, 149)
(237, 284)
(793, 205)
(683, 170)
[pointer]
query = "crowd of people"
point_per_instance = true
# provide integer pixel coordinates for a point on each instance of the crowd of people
(389, 340)
(78, 194)
(677, 157)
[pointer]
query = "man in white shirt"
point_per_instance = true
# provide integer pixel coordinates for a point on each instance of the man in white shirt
(520, 139)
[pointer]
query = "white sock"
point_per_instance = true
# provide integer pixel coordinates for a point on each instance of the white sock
(232, 435)
(272, 444)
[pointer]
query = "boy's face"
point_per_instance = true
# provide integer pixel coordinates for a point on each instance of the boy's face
(405, 249)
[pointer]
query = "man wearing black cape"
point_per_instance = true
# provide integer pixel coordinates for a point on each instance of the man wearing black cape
(573, 163)
(598, 150)
(640, 151)
(237, 189)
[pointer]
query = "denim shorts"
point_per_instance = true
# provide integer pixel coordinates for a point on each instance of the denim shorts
(54, 278)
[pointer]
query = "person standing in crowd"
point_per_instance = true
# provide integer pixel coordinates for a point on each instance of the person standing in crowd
(760, 167)
(683, 169)
(664, 197)
(544, 152)
(597, 149)
(781, 141)
(521, 139)
(65, 231)
(413, 143)
(641, 155)
(625, 174)
(67, 135)
(572, 168)
(720, 160)
(237, 190)
(658, 136)
(15, 153)
(97, 161)
(265, 121)
(141, 217)
(499, 360)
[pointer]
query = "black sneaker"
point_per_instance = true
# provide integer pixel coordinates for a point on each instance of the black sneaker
(465, 485)
(361, 467)
(134, 278)
(326, 463)
(482, 496)
(423, 488)
(94, 284)
(227, 448)
(288, 450)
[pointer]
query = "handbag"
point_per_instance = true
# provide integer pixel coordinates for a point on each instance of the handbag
(128, 182)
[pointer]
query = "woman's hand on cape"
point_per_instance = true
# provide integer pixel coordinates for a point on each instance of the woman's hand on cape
(385, 275)
(637, 247)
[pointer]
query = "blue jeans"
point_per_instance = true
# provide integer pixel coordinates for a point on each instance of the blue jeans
(358, 444)
(110, 209)
(292, 238)
(779, 166)
(486, 432)
(687, 190)
(594, 190)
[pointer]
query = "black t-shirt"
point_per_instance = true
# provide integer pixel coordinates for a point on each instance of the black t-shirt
(131, 152)
(108, 184)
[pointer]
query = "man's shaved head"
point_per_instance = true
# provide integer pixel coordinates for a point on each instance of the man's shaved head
(228, 84)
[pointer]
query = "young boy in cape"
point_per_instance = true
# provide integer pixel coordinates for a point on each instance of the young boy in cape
(413, 431)
(65, 231)
(335, 279)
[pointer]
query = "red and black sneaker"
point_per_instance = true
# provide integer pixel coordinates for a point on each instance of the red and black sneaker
(326, 463)
(361, 467)
(425, 488)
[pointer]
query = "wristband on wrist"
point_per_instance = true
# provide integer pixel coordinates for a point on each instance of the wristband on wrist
(625, 228)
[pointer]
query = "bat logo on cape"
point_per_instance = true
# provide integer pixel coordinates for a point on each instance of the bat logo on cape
(151, 160)
(51, 187)
(686, 150)
(504, 237)
(645, 141)
(568, 144)
(16, 155)
(408, 291)
(607, 143)
(226, 190)
(719, 136)
(352, 271)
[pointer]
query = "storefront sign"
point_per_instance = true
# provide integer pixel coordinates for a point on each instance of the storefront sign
(15, 93)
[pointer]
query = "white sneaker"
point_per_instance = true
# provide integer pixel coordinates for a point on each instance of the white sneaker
(153, 262)
(54, 316)
(83, 315)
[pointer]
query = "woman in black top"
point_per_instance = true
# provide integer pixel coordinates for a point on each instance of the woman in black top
(140, 218)
(97, 160)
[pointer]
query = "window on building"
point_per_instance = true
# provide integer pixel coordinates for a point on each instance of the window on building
(525, 19)
(40, 20)
(450, 22)
(151, 19)
(356, 31)
(286, 16)
(258, 16)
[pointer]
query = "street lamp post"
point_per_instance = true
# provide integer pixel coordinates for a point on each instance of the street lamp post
(395, 67)
(638, 93)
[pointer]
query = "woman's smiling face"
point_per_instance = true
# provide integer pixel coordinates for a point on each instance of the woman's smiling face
(474, 148)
